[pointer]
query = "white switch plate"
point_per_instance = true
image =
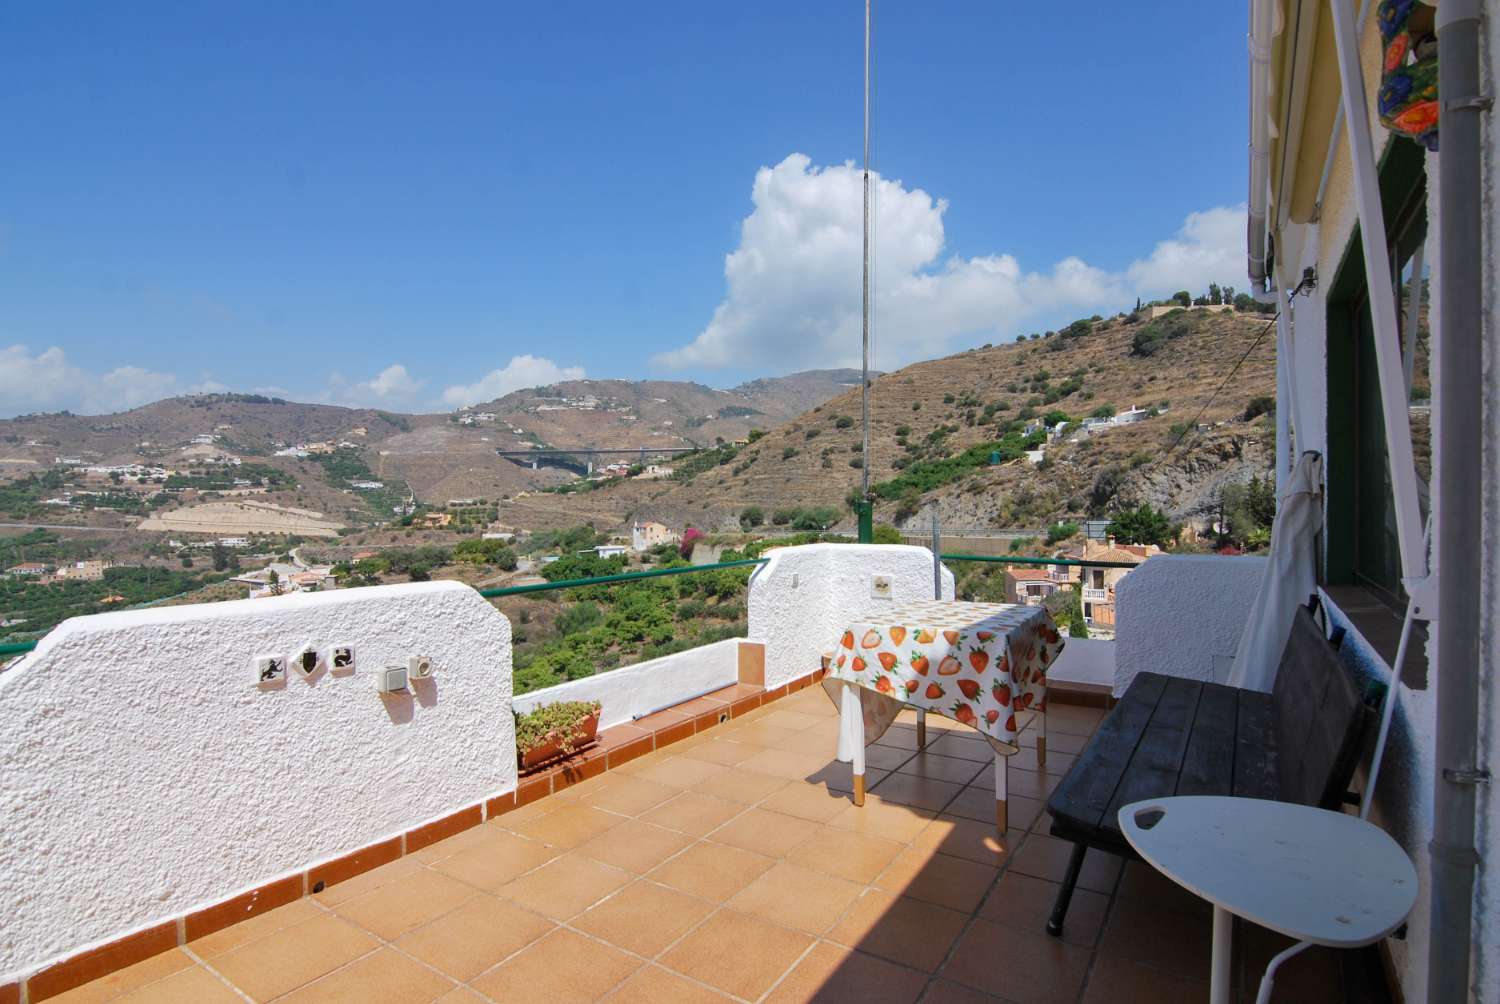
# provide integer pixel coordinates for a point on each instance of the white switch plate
(342, 660)
(269, 670)
(307, 661)
(880, 586)
(390, 679)
(419, 667)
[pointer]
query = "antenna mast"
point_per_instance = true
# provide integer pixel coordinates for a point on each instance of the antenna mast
(864, 383)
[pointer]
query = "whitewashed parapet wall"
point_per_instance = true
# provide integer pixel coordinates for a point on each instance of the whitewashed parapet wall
(145, 774)
(1182, 615)
(804, 596)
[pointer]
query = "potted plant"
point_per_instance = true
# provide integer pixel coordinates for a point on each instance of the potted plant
(553, 730)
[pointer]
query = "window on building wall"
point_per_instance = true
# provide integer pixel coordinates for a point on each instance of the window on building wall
(1363, 548)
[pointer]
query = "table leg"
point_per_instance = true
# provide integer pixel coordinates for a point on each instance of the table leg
(1002, 799)
(852, 729)
(921, 729)
(1218, 991)
(1041, 741)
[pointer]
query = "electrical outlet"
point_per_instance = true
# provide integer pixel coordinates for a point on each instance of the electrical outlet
(343, 660)
(880, 587)
(269, 670)
(307, 661)
(391, 679)
(419, 667)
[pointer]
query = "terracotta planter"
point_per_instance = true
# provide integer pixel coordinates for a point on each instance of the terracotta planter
(585, 731)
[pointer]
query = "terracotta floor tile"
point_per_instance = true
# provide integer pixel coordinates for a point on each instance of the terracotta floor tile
(768, 833)
(965, 746)
(853, 856)
(629, 796)
(956, 883)
(681, 771)
(1025, 902)
(190, 986)
(832, 973)
(886, 757)
(299, 954)
(1177, 942)
(783, 717)
(979, 804)
(569, 826)
(694, 814)
(900, 928)
(1065, 742)
(406, 903)
(143, 973)
(1018, 782)
(902, 737)
(808, 801)
(565, 886)
(711, 871)
(1076, 720)
(563, 966)
(797, 897)
(1119, 981)
(1316, 974)
(836, 776)
(948, 992)
(921, 792)
(384, 977)
(359, 885)
(474, 937)
(820, 742)
(1139, 881)
(780, 763)
(255, 928)
(1047, 857)
(497, 861)
(635, 846)
(655, 985)
(969, 839)
(643, 918)
(634, 768)
(954, 770)
(460, 995)
(759, 733)
(537, 809)
(721, 751)
(743, 786)
(1023, 967)
(879, 818)
(737, 953)
(1058, 763)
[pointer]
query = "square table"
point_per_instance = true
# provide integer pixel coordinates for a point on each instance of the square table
(976, 663)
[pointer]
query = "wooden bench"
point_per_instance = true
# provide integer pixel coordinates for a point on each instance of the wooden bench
(1171, 736)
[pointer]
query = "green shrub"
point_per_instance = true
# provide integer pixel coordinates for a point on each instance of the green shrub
(843, 422)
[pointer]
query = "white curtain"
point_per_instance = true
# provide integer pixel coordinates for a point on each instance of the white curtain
(1290, 577)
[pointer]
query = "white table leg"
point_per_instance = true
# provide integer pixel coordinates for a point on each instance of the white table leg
(1218, 988)
(852, 737)
(1002, 799)
(921, 729)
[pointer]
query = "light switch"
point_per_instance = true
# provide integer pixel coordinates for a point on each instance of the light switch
(391, 679)
(343, 660)
(270, 670)
(880, 587)
(419, 667)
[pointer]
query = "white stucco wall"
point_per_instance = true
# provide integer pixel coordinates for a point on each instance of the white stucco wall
(803, 598)
(1182, 615)
(144, 774)
(638, 690)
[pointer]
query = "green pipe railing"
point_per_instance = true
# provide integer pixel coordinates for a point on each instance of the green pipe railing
(600, 580)
(19, 647)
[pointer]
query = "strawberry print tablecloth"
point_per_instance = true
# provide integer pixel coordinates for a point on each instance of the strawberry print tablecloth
(977, 663)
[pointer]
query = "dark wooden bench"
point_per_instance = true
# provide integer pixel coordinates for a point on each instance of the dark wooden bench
(1170, 736)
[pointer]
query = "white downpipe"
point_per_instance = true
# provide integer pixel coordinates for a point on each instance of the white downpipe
(1382, 301)
(1261, 18)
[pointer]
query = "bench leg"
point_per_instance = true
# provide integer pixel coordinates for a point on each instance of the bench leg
(1065, 894)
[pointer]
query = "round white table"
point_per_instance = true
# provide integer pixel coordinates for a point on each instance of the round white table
(1323, 878)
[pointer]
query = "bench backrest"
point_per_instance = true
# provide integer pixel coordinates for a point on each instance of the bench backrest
(1319, 716)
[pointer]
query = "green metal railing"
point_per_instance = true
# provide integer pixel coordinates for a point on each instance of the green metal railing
(19, 647)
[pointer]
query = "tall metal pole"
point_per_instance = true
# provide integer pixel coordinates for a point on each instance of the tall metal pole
(864, 384)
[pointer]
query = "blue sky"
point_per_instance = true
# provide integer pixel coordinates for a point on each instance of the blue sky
(388, 204)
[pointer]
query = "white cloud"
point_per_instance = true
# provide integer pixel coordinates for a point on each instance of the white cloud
(521, 371)
(393, 387)
(47, 381)
(793, 296)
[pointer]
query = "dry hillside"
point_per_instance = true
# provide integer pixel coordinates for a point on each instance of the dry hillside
(942, 407)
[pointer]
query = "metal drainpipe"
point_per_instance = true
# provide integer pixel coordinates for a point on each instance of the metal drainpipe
(1459, 409)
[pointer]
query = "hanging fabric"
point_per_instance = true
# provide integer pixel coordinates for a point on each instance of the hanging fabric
(1408, 97)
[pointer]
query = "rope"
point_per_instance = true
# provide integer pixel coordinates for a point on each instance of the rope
(1193, 425)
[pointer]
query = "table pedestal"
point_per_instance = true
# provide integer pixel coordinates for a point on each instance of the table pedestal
(1218, 987)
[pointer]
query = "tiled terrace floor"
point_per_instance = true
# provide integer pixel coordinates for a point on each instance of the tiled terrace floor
(733, 865)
